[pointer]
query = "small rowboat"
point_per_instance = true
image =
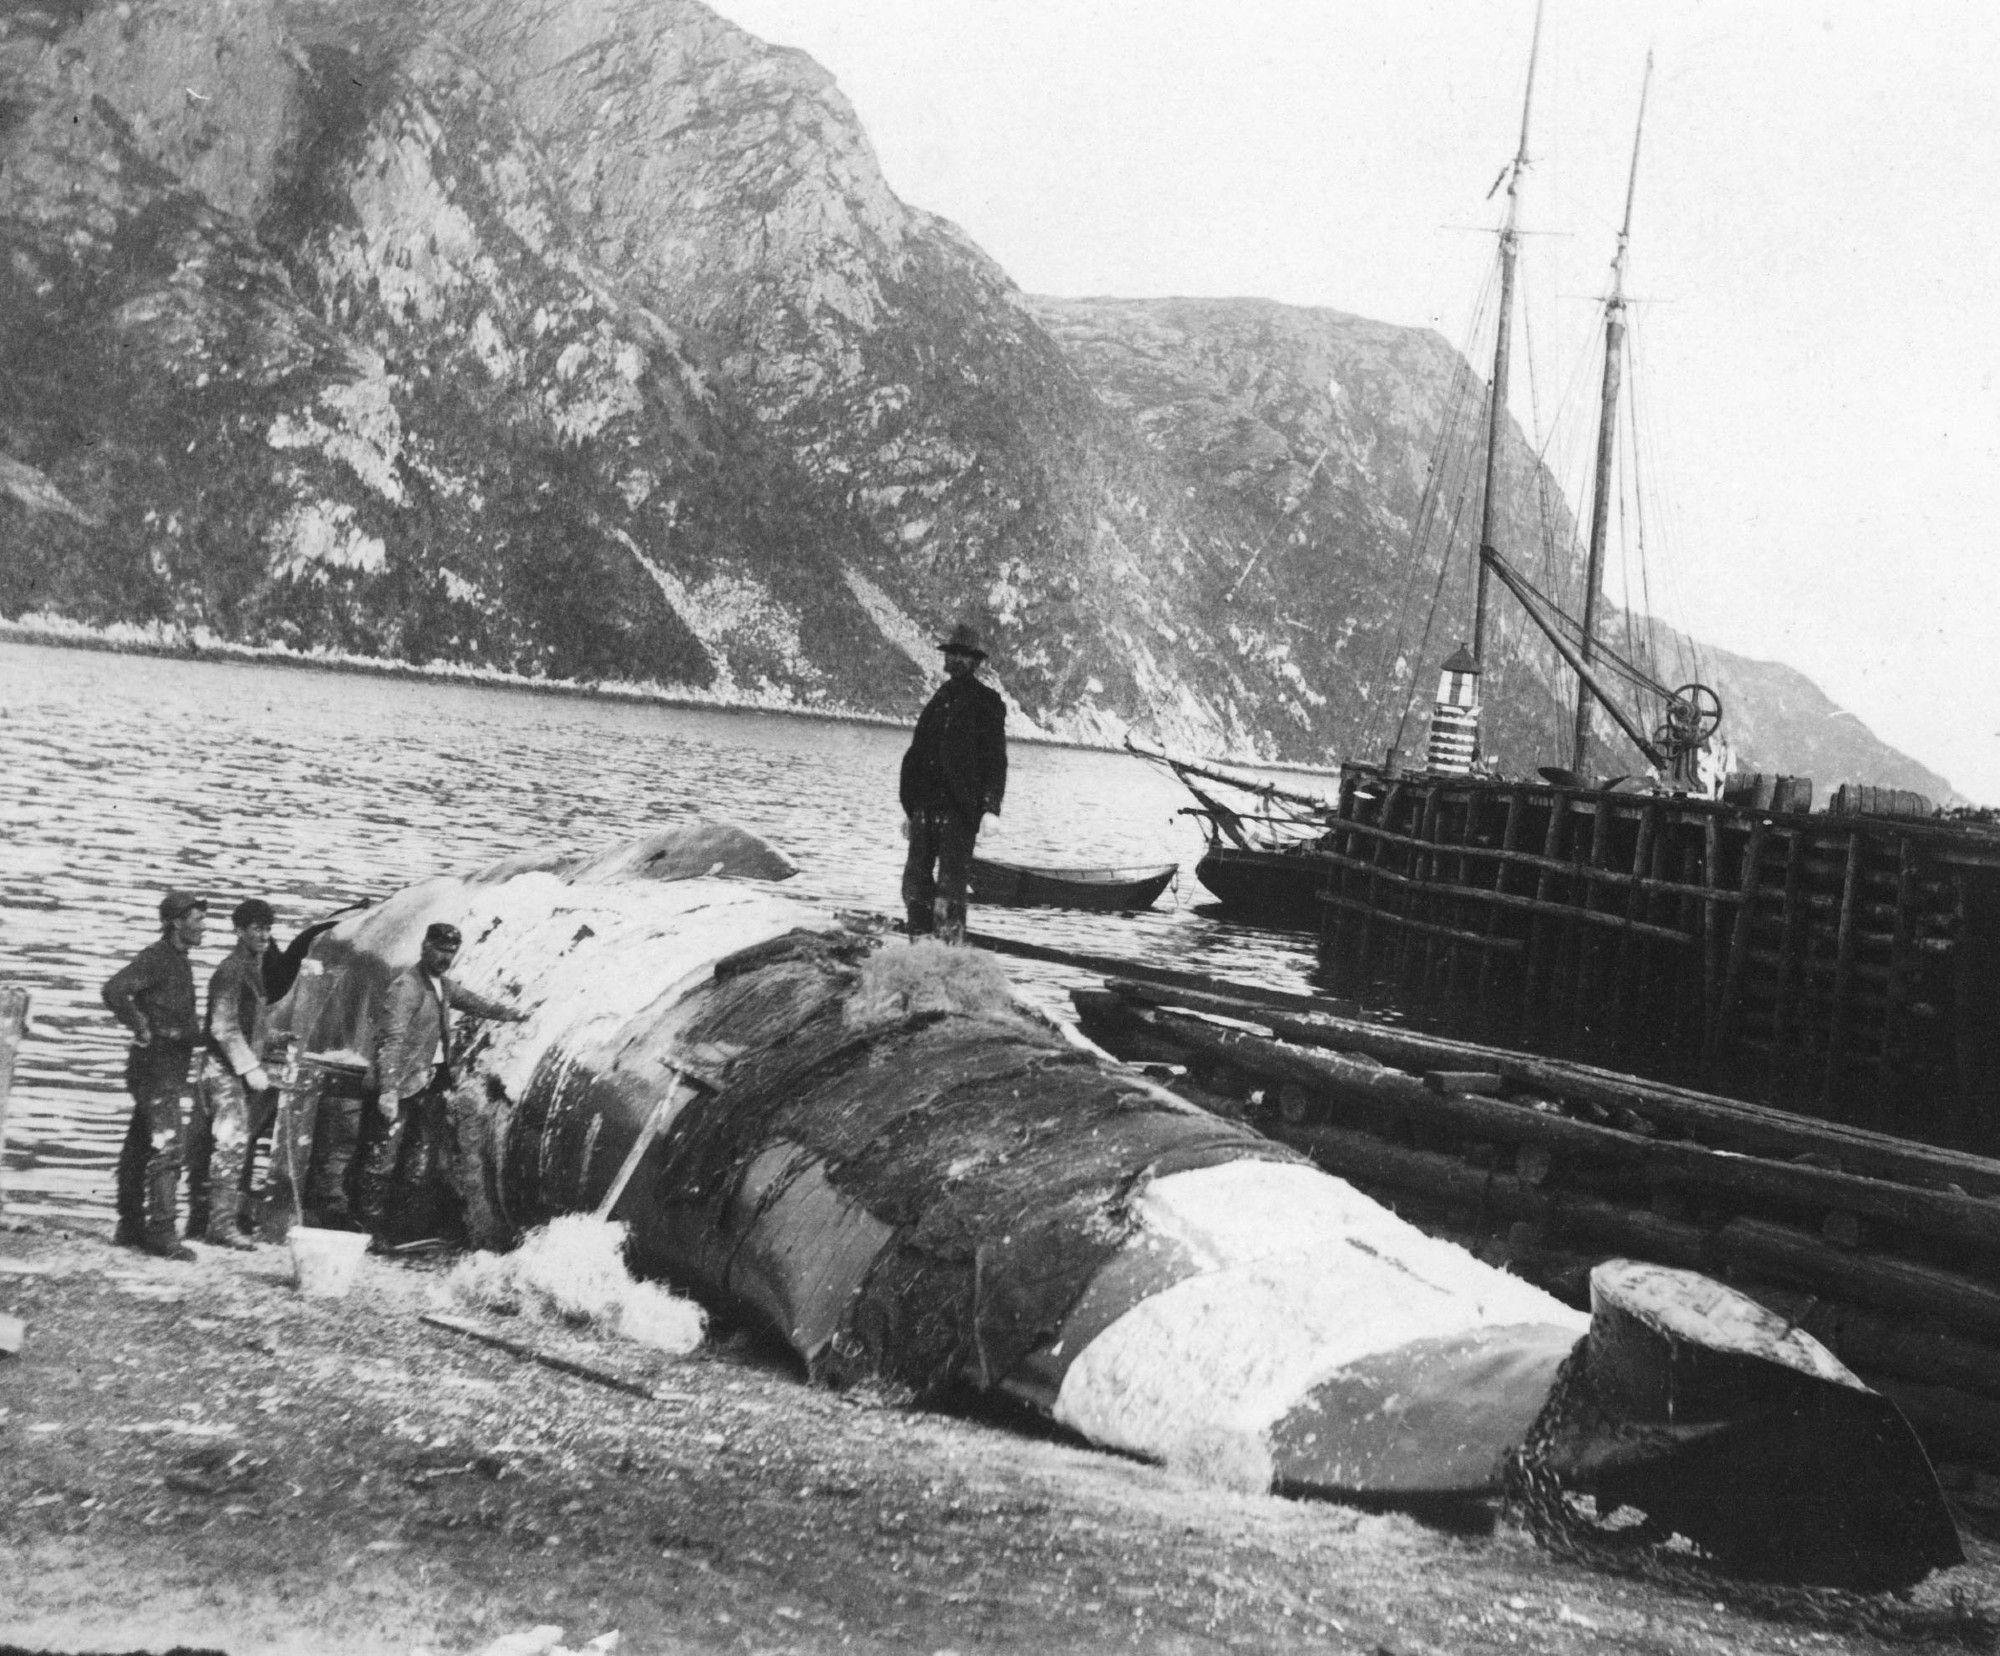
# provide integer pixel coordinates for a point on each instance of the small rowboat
(1016, 885)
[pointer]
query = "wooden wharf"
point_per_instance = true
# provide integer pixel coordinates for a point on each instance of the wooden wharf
(1837, 964)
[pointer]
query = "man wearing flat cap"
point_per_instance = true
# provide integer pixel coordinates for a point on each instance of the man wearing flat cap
(954, 774)
(153, 997)
(413, 1058)
(234, 1098)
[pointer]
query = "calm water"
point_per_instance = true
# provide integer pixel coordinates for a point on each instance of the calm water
(123, 775)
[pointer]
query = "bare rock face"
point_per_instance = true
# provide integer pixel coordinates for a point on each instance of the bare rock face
(584, 338)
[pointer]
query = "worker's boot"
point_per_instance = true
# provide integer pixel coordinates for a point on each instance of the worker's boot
(377, 1184)
(221, 1230)
(163, 1177)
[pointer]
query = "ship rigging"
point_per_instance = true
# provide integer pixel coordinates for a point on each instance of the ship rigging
(1697, 928)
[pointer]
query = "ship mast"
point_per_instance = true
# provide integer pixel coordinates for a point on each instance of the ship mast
(1510, 244)
(1607, 436)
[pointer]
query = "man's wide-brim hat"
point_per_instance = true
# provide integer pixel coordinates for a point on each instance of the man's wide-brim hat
(963, 638)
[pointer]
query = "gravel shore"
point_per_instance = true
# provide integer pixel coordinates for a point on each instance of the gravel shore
(198, 1456)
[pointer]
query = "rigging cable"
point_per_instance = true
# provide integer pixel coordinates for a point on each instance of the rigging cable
(1558, 553)
(1450, 447)
(1613, 660)
(1692, 659)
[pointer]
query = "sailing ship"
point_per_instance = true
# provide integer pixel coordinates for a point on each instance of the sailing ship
(1678, 923)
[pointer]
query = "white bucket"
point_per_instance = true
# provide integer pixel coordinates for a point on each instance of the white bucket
(324, 1261)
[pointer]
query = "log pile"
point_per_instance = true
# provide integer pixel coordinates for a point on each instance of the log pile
(1887, 1251)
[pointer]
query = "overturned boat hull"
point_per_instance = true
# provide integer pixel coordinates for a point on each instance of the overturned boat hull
(881, 1156)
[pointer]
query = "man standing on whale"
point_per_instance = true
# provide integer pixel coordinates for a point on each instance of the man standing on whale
(954, 774)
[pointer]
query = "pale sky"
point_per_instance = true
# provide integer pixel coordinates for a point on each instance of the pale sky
(1814, 253)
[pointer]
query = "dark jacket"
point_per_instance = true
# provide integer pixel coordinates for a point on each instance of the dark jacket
(958, 756)
(155, 995)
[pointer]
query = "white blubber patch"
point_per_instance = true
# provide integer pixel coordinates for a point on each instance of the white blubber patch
(599, 955)
(573, 1271)
(1300, 1276)
(1222, 1459)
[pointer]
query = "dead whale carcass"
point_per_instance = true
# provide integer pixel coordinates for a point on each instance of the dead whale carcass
(881, 1155)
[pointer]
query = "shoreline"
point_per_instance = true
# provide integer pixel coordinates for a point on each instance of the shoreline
(200, 1456)
(128, 639)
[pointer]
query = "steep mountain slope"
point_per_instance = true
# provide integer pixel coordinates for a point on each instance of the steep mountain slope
(1325, 440)
(584, 339)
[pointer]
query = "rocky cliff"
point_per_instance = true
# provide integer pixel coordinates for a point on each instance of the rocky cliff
(583, 339)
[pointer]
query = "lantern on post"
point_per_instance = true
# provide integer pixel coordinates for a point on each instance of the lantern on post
(1455, 720)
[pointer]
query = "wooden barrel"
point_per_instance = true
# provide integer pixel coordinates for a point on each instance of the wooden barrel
(1863, 799)
(1767, 791)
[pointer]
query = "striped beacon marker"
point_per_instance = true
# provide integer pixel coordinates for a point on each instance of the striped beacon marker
(1455, 719)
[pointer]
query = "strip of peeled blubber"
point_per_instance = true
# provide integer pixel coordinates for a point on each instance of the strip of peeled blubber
(878, 1152)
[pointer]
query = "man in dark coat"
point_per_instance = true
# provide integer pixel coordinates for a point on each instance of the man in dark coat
(954, 774)
(154, 998)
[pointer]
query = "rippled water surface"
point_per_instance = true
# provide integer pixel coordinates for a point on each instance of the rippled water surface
(123, 775)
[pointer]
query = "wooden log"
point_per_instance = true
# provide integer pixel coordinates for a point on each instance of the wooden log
(1891, 1284)
(1785, 1184)
(1830, 1091)
(1503, 1197)
(13, 1025)
(1510, 836)
(1112, 966)
(1689, 974)
(1584, 987)
(1419, 907)
(1789, 948)
(1539, 965)
(1877, 1345)
(1711, 928)
(1110, 1020)
(1553, 864)
(1464, 1081)
(1626, 971)
(1753, 1246)
(1967, 1116)
(1739, 943)
(1404, 923)
(1897, 991)
(1725, 1123)
(1568, 913)
(1371, 897)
